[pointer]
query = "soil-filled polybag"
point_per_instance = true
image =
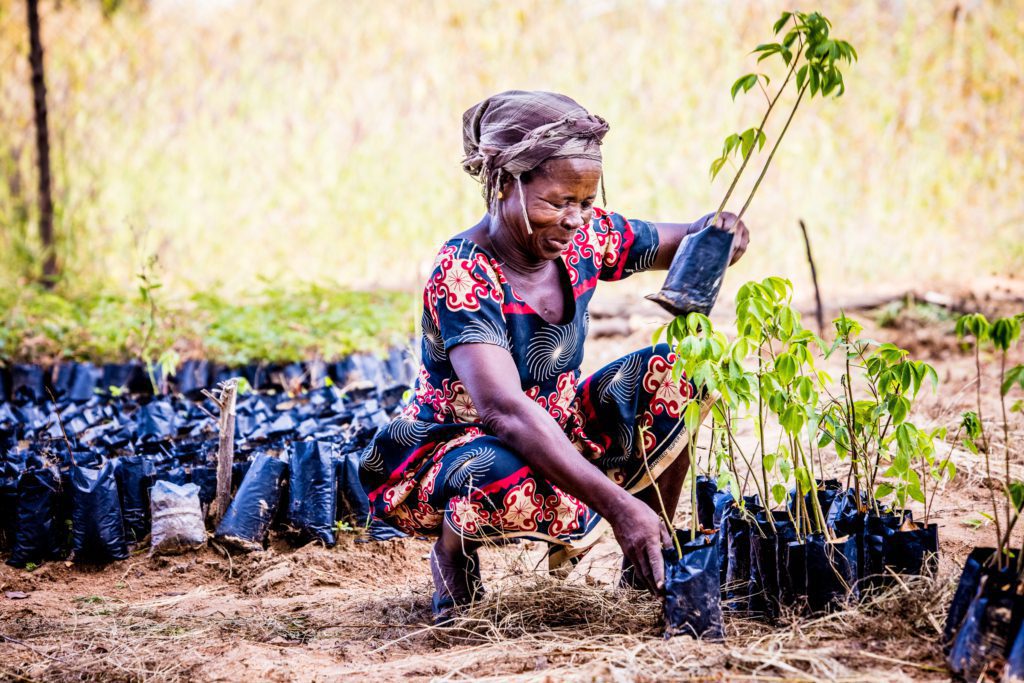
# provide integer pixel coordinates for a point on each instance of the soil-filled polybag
(767, 545)
(247, 521)
(177, 518)
(192, 377)
(990, 625)
(135, 476)
(39, 531)
(156, 421)
(10, 472)
(707, 487)
(96, 523)
(966, 588)
(895, 541)
(696, 273)
(736, 529)
(27, 383)
(821, 571)
(1013, 672)
(354, 505)
(692, 594)
(913, 548)
(312, 491)
(205, 477)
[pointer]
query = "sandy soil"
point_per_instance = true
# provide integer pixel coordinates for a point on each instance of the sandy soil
(359, 611)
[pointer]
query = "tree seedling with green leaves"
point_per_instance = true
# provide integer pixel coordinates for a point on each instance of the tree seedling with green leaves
(888, 454)
(1002, 334)
(808, 50)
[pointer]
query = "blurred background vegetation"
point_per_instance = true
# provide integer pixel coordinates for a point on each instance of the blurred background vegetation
(253, 144)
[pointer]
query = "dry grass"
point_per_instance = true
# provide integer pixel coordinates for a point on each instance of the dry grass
(529, 627)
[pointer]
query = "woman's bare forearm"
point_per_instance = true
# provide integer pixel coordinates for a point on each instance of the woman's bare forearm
(532, 433)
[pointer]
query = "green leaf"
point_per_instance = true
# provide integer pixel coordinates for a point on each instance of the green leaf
(744, 83)
(691, 416)
(779, 493)
(882, 491)
(801, 75)
(1017, 495)
(747, 142)
(916, 493)
(1014, 375)
(781, 22)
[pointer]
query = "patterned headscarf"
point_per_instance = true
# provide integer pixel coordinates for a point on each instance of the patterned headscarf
(513, 132)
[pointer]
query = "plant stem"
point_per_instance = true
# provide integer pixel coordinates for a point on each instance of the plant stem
(771, 155)
(760, 425)
(942, 468)
(760, 128)
(1006, 432)
(661, 502)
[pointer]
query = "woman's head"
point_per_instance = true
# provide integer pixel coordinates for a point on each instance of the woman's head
(540, 151)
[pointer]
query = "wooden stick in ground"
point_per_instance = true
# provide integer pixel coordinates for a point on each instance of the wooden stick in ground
(35, 60)
(225, 402)
(819, 310)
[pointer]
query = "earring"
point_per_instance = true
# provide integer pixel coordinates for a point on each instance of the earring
(501, 195)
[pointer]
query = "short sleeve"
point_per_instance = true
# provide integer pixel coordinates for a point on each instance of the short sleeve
(464, 296)
(630, 246)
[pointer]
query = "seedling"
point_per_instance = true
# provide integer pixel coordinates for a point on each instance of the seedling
(807, 49)
(1003, 334)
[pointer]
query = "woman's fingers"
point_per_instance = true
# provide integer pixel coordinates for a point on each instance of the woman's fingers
(666, 537)
(730, 223)
(657, 568)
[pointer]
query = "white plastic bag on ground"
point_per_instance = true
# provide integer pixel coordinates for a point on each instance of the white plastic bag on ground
(177, 518)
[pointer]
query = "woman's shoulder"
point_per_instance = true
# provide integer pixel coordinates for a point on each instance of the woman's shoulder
(464, 272)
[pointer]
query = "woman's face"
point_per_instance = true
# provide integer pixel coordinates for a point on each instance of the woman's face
(559, 198)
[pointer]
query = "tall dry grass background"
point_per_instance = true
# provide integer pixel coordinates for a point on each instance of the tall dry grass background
(244, 140)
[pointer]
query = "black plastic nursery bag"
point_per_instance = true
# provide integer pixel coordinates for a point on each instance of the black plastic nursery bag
(983, 641)
(707, 487)
(38, 527)
(767, 545)
(135, 476)
(1013, 672)
(312, 492)
(966, 589)
(696, 273)
(96, 522)
(821, 571)
(248, 518)
(692, 594)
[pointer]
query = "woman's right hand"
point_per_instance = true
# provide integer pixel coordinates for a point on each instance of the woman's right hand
(642, 534)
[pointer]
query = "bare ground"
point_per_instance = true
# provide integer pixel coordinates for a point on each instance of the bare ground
(360, 611)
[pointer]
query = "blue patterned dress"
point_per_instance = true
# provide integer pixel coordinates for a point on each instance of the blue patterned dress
(437, 464)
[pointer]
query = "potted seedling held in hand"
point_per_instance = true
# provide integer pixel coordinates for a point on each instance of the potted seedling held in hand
(807, 50)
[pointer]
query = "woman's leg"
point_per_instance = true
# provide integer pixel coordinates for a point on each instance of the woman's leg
(488, 493)
(455, 569)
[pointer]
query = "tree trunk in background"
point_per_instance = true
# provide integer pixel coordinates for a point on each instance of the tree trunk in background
(35, 60)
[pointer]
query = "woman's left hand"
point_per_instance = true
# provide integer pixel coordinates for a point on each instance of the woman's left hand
(730, 222)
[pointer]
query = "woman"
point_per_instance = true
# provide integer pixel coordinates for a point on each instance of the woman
(501, 438)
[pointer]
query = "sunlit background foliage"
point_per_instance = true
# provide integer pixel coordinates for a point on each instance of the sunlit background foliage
(247, 142)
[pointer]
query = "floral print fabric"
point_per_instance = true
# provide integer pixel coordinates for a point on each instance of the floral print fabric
(437, 464)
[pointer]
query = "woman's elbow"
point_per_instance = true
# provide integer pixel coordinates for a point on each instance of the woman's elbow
(502, 418)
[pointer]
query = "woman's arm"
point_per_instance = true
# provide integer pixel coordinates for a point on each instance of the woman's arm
(492, 379)
(671, 235)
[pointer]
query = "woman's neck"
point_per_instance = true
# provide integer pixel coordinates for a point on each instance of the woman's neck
(509, 251)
